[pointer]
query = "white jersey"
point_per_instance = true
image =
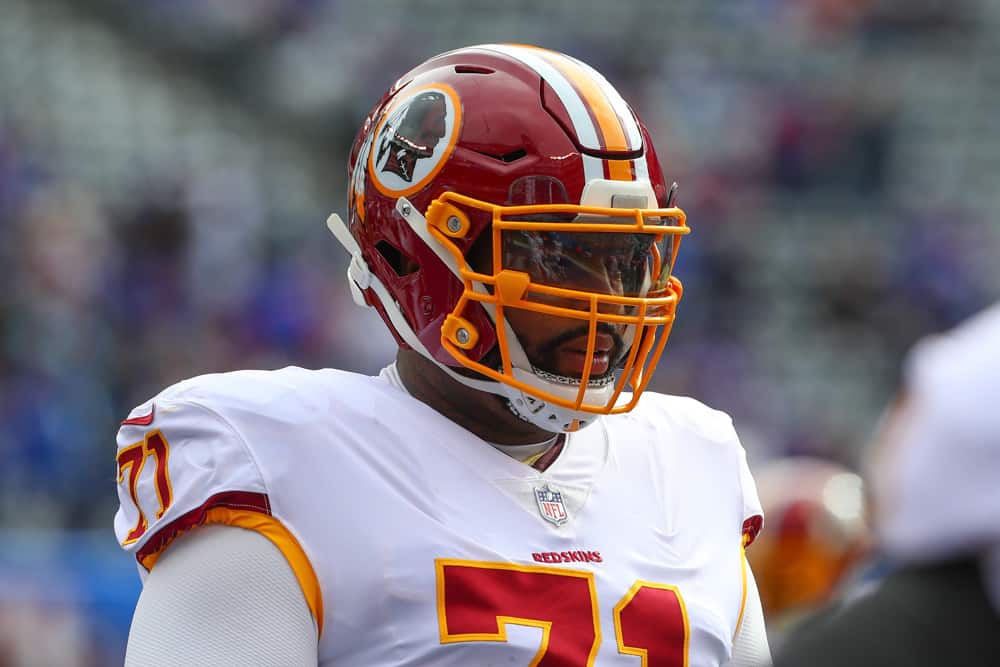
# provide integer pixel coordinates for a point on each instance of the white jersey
(416, 543)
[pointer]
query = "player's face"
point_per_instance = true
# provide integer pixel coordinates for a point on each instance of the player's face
(598, 263)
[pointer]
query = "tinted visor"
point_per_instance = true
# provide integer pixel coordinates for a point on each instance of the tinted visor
(616, 264)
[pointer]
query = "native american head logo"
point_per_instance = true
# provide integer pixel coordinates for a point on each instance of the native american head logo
(414, 139)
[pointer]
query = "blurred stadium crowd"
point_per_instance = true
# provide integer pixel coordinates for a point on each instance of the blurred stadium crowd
(166, 167)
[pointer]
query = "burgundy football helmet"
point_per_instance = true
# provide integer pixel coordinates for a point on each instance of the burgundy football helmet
(502, 177)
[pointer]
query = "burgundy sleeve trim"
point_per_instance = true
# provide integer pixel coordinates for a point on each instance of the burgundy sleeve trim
(243, 500)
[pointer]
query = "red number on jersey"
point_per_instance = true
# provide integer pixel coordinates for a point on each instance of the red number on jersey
(651, 622)
(132, 458)
(477, 600)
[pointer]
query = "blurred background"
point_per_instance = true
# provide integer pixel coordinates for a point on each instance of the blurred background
(166, 168)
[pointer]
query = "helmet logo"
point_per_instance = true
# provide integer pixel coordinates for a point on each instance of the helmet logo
(411, 133)
(414, 139)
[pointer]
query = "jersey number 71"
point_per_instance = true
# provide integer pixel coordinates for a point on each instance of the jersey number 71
(131, 460)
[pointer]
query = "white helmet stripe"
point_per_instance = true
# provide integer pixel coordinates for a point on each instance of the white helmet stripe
(618, 103)
(593, 167)
(641, 169)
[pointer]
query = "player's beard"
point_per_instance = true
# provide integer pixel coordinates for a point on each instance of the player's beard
(546, 357)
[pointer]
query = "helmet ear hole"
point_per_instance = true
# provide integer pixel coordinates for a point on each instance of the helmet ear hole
(402, 264)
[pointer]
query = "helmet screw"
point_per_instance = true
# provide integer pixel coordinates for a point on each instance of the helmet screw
(462, 336)
(454, 225)
(405, 209)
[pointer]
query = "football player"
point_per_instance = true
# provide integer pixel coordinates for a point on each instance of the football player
(506, 492)
(934, 472)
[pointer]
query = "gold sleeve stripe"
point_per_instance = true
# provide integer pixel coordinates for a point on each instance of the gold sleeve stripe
(281, 537)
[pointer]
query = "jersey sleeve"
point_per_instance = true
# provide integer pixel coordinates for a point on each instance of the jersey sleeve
(180, 465)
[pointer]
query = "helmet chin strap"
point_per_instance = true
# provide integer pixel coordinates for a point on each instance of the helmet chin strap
(546, 415)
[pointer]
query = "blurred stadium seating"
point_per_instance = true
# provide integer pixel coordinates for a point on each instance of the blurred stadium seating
(166, 167)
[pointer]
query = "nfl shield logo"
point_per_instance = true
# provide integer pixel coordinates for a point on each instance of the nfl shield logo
(550, 505)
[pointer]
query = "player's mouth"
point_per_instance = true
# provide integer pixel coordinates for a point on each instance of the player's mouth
(573, 356)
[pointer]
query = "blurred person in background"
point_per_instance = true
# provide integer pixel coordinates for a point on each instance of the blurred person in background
(935, 478)
(817, 537)
(495, 495)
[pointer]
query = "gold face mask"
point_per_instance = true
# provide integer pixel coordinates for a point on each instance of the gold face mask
(609, 268)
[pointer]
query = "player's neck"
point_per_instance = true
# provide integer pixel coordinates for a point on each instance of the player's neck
(485, 415)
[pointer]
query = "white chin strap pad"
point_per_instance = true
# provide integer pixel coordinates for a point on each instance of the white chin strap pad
(549, 416)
